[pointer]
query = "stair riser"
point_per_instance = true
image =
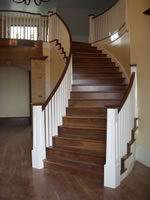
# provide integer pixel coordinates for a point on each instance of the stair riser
(84, 122)
(75, 156)
(80, 95)
(91, 65)
(93, 69)
(83, 49)
(98, 82)
(88, 55)
(96, 76)
(83, 133)
(97, 88)
(73, 143)
(82, 44)
(92, 60)
(74, 170)
(88, 112)
(93, 104)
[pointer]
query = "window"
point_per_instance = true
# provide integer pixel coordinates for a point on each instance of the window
(114, 36)
(24, 32)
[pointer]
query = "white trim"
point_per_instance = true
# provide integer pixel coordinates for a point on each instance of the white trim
(39, 148)
(143, 155)
(113, 165)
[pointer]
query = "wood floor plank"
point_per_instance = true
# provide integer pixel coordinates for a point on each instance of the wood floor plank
(18, 181)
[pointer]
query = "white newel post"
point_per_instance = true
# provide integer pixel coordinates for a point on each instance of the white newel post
(91, 29)
(113, 164)
(39, 151)
(134, 69)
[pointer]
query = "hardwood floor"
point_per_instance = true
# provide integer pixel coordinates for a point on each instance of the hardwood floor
(18, 181)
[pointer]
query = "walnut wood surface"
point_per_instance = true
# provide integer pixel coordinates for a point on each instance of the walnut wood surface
(19, 181)
(80, 147)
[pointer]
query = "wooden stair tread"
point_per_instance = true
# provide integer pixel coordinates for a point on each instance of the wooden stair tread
(80, 147)
(98, 153)
(93, 100)
(78, 139)
(76, 164)
(116, 91)
(103, 84)
(84, 128)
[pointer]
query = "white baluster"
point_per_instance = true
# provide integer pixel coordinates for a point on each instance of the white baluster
(3, 25)
(50, 123)
(46, 117)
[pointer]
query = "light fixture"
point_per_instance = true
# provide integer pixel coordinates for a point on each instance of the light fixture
(27, 2)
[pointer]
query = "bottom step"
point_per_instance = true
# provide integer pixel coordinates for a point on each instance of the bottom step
(75, 168)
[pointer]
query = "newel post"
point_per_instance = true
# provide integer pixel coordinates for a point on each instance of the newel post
(113, 164)
(91, 28)
(50, 26)
(134, 69)
(39, 151)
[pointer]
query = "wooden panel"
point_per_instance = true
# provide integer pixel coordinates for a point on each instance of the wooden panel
(38, 81)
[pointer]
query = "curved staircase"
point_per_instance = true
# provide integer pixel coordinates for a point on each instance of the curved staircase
(80, 147)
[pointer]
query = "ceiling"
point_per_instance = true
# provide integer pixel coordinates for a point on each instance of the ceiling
(100, 5)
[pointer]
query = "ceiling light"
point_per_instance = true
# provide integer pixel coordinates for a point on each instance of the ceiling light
(27, 2)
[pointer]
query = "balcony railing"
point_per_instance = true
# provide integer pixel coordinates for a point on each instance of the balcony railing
(23, 25)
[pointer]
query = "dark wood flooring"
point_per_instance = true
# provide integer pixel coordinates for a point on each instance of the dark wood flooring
(18, 181)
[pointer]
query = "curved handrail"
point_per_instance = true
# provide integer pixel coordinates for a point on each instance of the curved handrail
(95, 16)
(17, 11)
(107, 23)
(119, 107)
(66, 67)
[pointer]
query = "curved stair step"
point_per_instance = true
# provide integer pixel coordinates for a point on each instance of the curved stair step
(76, 103)
(100, 88)
(96, 157)
(86, 112)
(75, 168)
(84, 121)
(83, 132)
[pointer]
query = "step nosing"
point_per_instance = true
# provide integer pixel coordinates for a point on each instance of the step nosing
(78, 139)
(80, 150)
(89, 128)
(75, 164)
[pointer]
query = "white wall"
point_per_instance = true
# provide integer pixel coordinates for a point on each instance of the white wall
(14, 92)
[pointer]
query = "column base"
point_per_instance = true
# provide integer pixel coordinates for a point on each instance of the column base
(37, 158)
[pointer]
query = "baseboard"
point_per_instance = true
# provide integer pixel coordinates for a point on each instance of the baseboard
(15, 121)
(143, 155)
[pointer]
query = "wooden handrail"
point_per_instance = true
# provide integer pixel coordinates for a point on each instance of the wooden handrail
(17, 11)
(65, 69)
(95, 16)
(119, 107)
(117, 31)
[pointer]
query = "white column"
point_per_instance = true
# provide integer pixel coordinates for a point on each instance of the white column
(134, 69)
(39, 151)
(113, 164)
(91, 29)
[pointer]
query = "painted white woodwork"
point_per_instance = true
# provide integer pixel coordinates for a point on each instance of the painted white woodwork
(119, 134)
(21, 25)
(56, 108)
(108, 23)
(112, 166)
(39, 150)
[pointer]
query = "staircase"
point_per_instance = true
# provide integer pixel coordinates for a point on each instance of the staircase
(80, 147)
